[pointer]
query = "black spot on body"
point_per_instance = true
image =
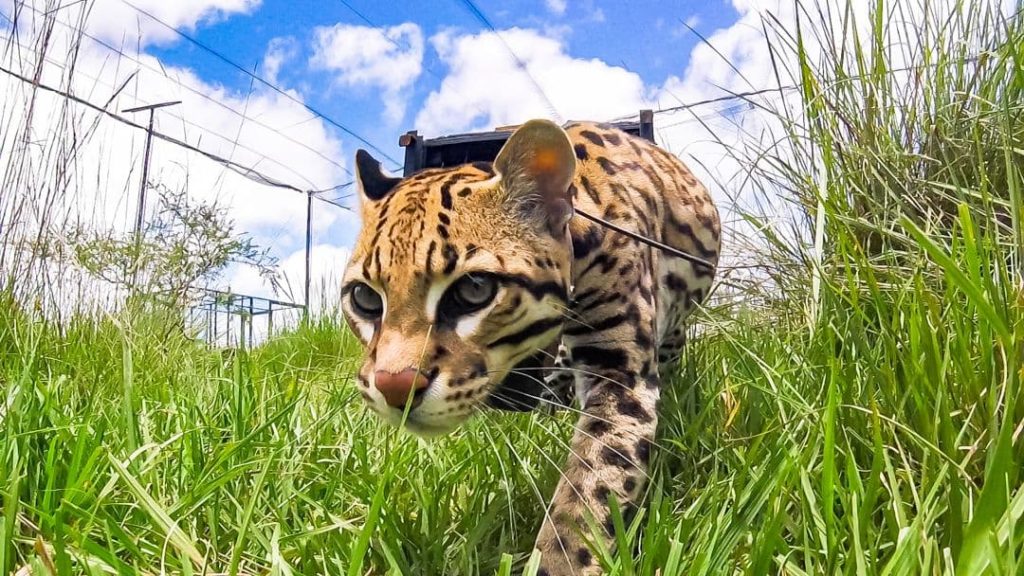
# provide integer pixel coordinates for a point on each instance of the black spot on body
(686, 230)
(577, 328)
(643, 450)
(590, 190)
(697, 295)
(613, 138)
(605, 298)
(607, 165)
(581, 151)
(643, 339)
(629, 485)
(603, 260)
(629, 406)
(583, 556)
(615, 456)
(599, 357)
(675, 282)
(594, 137)
(598, 427)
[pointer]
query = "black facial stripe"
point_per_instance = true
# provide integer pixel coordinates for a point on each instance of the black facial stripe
(509, 315)
(531, 331)
(446, 193)
(536, 289)
(430, 254)
(451, 258)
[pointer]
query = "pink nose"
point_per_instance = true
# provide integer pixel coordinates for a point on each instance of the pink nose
(400, 388)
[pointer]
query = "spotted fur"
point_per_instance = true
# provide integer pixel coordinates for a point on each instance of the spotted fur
(570, 296)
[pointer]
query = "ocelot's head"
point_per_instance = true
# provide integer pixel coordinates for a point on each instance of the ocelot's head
(458, 281)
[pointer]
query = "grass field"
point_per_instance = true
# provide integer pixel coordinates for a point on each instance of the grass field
(859, 411)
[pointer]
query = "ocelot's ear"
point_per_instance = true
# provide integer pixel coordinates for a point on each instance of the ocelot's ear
(537, 165)
(372, 180)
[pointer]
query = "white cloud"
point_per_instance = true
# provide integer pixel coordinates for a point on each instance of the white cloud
(387, 58)
(736, 59)
(279, 52)
(327, 266)
(98, 179)
(556, 6)
(120, 23)
(486, 88)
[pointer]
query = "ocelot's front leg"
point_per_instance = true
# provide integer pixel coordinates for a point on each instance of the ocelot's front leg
(618, 390)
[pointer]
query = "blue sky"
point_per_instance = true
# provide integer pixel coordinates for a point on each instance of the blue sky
(381, 68)
(646, 37)
(394, 66)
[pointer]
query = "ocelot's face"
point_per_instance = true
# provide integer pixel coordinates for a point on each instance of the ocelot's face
(458, 276)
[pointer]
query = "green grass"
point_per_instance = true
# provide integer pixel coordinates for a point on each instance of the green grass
(860, 412)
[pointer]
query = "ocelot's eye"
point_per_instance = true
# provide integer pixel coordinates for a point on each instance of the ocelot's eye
(366, 301)
(469, 294)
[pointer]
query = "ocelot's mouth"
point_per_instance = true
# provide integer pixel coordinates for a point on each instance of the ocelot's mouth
(523, 388)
